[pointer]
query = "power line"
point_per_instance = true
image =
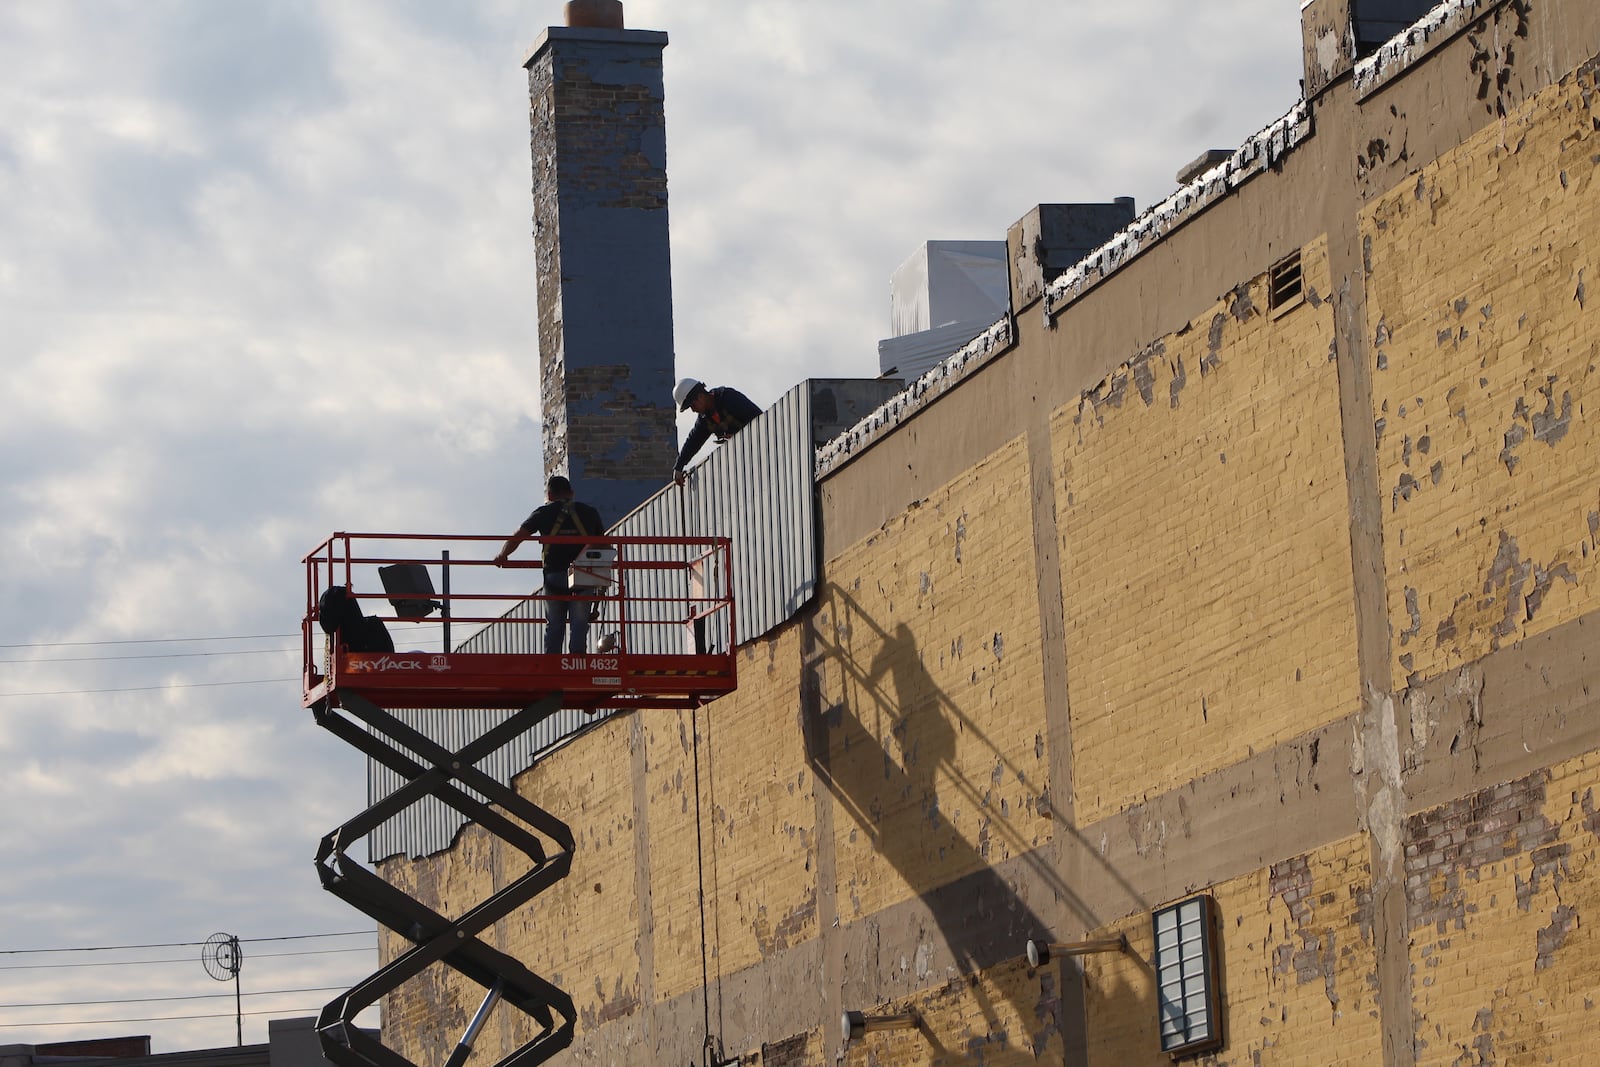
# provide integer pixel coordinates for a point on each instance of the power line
(153, 641)
(188, 960)
(307, 937)
(153, 655)
(181, 944)
(158, 1000)
(149, 688)
(163, 1018)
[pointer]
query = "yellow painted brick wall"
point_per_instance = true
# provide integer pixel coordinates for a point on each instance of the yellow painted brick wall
(1205, 549)
(1483, 304)
(1502, 889)
(801, 1050)
(582, 934)
(1298, 962)
(761, 808)
(424, 1018)
(757, 828)
(674, 835)
(1005, 1016)
(929, 668)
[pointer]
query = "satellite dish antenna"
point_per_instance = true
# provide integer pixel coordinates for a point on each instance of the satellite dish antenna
(223, 960)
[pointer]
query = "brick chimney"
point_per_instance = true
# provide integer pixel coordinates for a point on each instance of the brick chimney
(604, 265)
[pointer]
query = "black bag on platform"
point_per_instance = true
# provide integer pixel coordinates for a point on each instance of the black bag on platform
(339, 613)
(370, 635)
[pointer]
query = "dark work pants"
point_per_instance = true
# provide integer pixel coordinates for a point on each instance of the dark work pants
(559, 613)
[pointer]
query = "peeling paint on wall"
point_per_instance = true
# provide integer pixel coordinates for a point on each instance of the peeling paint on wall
(1488, 363)
(1261, 152)
(1448, 846)
(1551, 938)
(1310, 951)
(1445, 22)
(1375, 765)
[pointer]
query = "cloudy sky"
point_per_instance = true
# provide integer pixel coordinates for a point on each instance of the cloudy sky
(266, 273)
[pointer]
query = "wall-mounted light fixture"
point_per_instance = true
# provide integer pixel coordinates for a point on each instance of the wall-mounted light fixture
(1186, 966)
(1188, 976)
(1042, 952)
(854, 1025)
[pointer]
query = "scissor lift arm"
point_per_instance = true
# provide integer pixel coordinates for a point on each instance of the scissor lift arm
(435, 938)
(351, 692)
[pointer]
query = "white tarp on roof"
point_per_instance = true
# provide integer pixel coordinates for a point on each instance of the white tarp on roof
(913, 355)
(949, 281)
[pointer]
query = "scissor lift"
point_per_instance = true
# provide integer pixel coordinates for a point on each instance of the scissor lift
(668, 615)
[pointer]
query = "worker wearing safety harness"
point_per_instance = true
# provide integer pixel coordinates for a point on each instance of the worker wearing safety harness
(722, 413)
(560, 515)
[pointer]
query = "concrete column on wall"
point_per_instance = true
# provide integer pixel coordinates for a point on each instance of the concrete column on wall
(1048, 240)
(600, 232)
(1328, 37)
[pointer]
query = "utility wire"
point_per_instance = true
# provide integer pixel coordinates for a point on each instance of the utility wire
(182, 944)
(153, 655)
(307, 937)
(188, 960)
(152, 641)
(157, 1000)
(276, 1012)
(165, 1018)
(149, 688)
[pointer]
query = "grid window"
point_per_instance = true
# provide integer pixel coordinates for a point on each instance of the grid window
(1188, 997)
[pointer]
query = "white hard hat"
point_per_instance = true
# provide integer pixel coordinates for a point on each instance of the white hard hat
(683, 391)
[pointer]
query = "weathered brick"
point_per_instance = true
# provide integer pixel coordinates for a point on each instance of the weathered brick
(928, 660)
(1493, 364)
(1204, 564)
(1506, 937)
(1297, 974)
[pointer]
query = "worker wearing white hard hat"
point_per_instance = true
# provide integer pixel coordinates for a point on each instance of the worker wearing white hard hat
(722, 413)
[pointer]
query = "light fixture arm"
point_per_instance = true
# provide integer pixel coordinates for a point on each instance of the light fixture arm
(1042, 952)
(854, 1025)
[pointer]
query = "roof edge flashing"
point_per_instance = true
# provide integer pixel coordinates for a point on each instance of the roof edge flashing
(917, 395)
(1261, 152)
(1404, 51)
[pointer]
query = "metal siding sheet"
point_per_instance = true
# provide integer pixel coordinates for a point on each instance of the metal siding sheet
(757, 489)
(748, 491)
(657, 517)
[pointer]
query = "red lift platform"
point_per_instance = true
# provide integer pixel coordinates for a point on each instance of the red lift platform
(666, 615)
(665, 622)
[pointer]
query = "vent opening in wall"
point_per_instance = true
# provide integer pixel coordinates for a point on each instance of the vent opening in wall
(1287, 286)
(1188, 976)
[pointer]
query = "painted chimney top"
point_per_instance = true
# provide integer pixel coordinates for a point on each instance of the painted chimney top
(595, 14)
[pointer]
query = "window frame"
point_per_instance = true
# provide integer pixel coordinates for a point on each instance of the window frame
(1183, 1041)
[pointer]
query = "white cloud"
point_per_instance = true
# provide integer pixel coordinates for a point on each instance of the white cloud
(267, 273)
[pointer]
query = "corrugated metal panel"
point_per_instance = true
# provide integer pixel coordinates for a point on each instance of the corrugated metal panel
(758, 489)
(660, 516)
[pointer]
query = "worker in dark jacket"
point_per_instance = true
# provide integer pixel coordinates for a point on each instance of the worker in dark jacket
(563, 516)
(723, 412)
